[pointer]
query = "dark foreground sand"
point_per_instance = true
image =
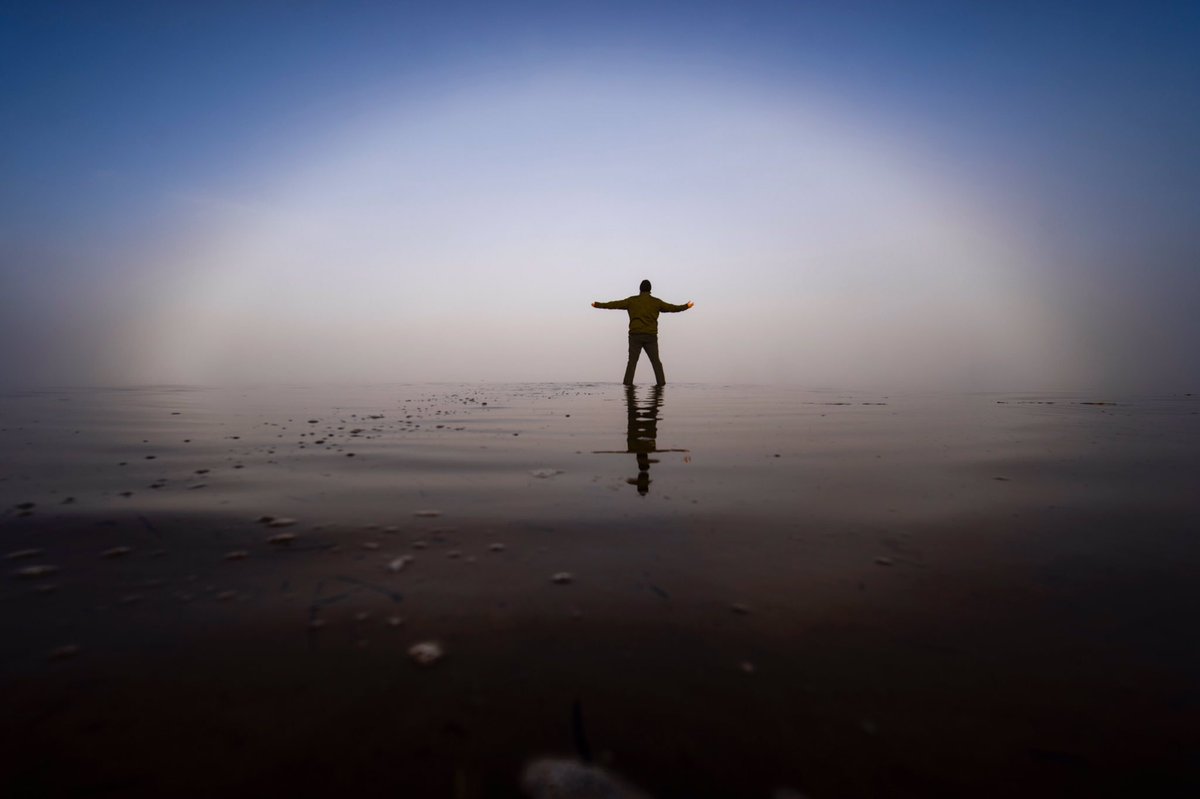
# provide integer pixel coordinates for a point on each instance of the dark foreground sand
(770, 592)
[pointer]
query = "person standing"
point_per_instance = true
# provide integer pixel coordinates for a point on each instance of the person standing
(643, 328)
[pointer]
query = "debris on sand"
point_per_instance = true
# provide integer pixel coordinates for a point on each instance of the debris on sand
(426, 653)
(554, 778)
(281, 521)
(545, 473)
(116, 552)
(397, 565)
(428, 514)
(282, 539)
(562, 578)
(237, 554)
(34, 572)
(23, 553)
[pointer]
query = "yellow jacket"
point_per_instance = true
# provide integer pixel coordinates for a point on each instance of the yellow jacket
(643, 311)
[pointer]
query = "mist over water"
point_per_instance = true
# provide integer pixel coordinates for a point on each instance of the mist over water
(463, 237)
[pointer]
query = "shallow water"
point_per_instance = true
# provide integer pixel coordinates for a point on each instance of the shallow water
(844, 594)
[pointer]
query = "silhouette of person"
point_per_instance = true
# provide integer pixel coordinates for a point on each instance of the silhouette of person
(643, 328)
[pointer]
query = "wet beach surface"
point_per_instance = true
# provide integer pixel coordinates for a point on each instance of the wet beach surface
(710, 591)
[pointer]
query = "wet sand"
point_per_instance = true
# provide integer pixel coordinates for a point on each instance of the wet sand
(836, 594)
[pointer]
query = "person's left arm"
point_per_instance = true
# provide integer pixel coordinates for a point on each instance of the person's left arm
(669, 308)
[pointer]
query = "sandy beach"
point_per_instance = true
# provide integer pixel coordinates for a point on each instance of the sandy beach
(706, 591)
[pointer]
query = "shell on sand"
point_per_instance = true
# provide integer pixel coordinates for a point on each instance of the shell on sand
(426, 653)
(554, 778)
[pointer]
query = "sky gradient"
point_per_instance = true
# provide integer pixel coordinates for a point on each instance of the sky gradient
(924, 195)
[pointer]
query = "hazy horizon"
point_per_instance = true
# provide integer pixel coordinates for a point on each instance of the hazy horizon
(929, 197)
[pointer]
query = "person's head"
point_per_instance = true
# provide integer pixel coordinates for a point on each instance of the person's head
(645, 286)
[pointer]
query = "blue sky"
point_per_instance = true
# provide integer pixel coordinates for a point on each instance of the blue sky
(169, 166)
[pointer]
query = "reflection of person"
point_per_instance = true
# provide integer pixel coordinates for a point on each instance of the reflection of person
(643, 328)
(642, 433)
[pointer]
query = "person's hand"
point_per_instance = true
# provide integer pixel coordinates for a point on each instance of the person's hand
(690, 303)
(595, 305)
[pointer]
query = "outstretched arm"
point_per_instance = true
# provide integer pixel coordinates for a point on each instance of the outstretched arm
(669, 308)
(615, 305)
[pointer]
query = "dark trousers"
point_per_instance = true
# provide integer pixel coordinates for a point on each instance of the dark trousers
(649, 343)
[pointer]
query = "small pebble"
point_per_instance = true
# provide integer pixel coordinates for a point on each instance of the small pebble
(426, 653)
(33, 572)
(397, 565)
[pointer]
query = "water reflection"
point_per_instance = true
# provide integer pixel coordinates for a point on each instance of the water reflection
(641, 432)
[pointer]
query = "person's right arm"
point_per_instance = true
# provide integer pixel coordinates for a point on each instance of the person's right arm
(616, 305)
